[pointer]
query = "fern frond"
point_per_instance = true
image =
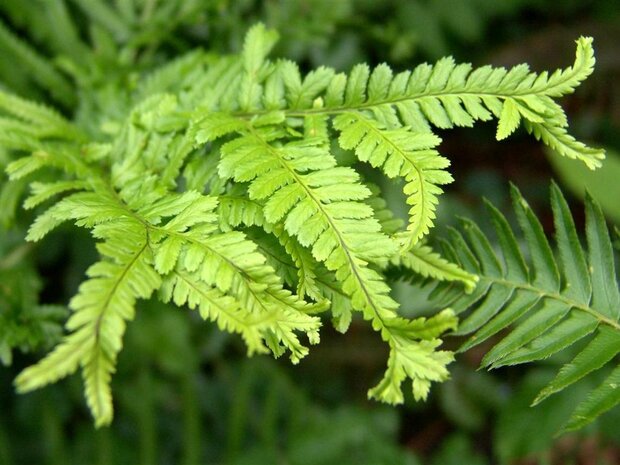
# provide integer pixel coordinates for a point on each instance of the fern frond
(101, 308)
(231, 264)
(236, 210)
(255, 328)
(387, 118)
(86, 208)
(426, 263)
(319, 204)
(304, 262)
(44, 121)
(398, 152)
(550, 304)
(603, 398)
(213, 182)
(417, 360)
(445, 95)
(433, 91)
(312, 279)
(44, 191)
(558, 139)
(147, 238)
(258, 43)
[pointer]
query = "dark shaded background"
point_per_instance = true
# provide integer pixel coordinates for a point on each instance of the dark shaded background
(184, 392)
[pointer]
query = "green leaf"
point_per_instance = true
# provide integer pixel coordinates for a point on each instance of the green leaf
(509, 119)
(422, 260)
(571, 253)
(419, 361)
(605, 293)
(547, 274)
(400, 153)
(101, 307)
(602, 399)
(258, 43)
(541, 308)
(603, 348)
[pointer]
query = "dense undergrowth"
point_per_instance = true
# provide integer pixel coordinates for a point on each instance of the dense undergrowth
(274, 202)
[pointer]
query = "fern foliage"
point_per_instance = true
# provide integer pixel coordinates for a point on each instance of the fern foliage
(25, 323)
(560, 298)
(215, 183)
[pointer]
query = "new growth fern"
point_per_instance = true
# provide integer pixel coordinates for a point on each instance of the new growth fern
(223, 189)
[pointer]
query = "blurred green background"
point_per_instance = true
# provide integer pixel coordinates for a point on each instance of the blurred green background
(185, 393)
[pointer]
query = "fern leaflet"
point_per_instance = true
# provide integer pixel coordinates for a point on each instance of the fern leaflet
(551, 305)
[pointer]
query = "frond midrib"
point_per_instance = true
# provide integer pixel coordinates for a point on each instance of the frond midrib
(125, 271)
(352, 265)
(242, 322)
(375, 103)
(546, 294)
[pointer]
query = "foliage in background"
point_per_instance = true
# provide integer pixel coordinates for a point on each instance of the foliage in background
(106, 98)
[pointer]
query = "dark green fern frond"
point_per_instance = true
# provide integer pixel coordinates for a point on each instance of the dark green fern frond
(551, 301)
(41, 70)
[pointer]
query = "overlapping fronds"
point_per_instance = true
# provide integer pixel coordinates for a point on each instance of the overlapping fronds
(400, 153)
(213, 183)
(173, 238)
(552, 301)
(320, 205)
(388, 119)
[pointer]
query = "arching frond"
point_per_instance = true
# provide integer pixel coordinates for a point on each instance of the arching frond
(217, 183)
(551, 302)
(387, 119)
(319, 204)
(101, 308)
(398, 152)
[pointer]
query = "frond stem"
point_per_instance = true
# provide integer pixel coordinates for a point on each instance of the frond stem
(555, 296)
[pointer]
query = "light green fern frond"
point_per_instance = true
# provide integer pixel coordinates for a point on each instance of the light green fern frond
(426, 263)
(549, 305)
(293, 261)
(231, 264)
(388, 119)
(320, 205)
(35, 117)
(398, 152)
(446, 95)
(216, 183)
(101, 308)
